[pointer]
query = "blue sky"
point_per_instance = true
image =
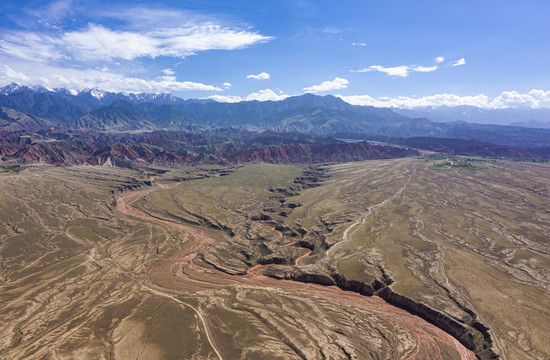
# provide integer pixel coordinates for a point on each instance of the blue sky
(384, 53)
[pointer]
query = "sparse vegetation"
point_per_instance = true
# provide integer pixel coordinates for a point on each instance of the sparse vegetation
(15, 169)
(456, 162)
(387, 221)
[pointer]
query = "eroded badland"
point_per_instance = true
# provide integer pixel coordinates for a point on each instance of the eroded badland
(391, 259)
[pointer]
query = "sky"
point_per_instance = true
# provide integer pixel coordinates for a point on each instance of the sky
(398, 53)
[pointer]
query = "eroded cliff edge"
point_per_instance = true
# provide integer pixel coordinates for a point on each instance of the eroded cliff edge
(468, 329)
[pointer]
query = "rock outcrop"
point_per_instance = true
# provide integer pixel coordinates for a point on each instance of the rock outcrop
(176, 149)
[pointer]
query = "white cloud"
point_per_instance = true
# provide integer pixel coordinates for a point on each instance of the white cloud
(265, 95)
(168, 72)
(100, 43)
(226, 98)
(401, 71)
(262, 95)
(411, 102)
(337, 83)
(439, 59)
(331, 30)
(148, 17)
(540, 95)
(54, 10)
(425, 68)
(13, 76)
(459, 62)
(39, 74)
(226, 84)
(358, 44)
(260, 76)
(534, 98)
(507, 99)
(515, 99)
(183, 41)
(32, 47)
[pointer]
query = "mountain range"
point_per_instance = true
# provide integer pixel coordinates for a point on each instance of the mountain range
(524, 117)
(95, 126)
(163, 148)
(23, 108)
(93, 96)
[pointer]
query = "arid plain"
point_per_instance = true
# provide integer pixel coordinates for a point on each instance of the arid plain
(392, 259)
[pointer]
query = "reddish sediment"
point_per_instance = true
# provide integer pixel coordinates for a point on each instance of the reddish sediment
(179, 272)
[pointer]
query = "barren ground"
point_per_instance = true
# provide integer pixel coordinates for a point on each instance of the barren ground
(96, 264)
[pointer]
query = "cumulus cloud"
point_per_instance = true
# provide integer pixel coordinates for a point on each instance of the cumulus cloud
(425, 68)
(412, 102)
(459, 62)
(260, 76)
(439, 59)
(358, 44)
(265, 95)
(110, 54)
(507, 99)
(226, 84)
(225, 98)
(76, 79)
(541, 98)
(401, 71)
(337, 83)
(541, 95)
(97, 42)
(262, 95)
(515, 99)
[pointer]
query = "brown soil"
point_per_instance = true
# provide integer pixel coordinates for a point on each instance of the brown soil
(179, 272)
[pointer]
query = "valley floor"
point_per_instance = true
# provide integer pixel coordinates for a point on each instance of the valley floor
(275, 261)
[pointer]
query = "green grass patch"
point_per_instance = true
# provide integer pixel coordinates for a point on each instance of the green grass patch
(13, 169)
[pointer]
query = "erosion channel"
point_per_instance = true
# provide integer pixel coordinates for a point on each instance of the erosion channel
(416, 338)
(376, 259)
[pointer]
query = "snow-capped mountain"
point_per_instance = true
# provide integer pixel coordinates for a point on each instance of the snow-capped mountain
(15, 88)
(94, 96)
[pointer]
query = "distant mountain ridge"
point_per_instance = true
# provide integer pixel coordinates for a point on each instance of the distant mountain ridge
(469, 147)
(525, 117)
(181, 148)
(94, 109)
(94, 96)
(35, 109)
